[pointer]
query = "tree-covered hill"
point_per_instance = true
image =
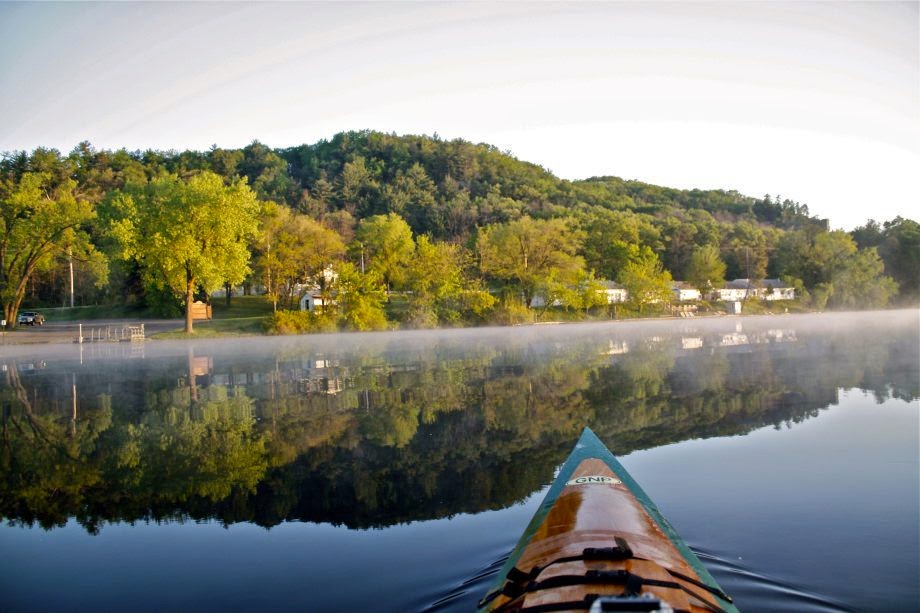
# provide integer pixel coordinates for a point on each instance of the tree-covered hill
(479, 171)
(489, 222)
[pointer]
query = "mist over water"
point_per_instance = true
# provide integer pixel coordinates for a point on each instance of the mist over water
(413, 460)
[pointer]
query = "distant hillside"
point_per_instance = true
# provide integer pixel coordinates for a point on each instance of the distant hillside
(473, 198)
(481, 171)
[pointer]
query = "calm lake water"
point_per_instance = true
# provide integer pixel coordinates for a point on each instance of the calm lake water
(395, 471)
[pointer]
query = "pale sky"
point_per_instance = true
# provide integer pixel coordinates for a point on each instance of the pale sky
(817, 102)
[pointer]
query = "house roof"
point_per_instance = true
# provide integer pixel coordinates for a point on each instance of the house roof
(739, 284)
(765, 283)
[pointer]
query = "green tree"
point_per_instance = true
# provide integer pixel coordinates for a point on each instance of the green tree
(358, 190)
(38, 219)
(706, 268)
(360, 299)
(385, 241)
(439, 290)
(869, 235)
(858, 282)
(575, 289)
(611, 238)
(839, 273)
(225, 162)
(267, 173)
(525, 252)
(747, 252)
(495, 208)
(900, 250)
(412, 195)
(434, 279)
(297, 251)
(187, 234)
(646, 280)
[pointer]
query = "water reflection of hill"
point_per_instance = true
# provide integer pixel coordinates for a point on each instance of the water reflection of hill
(397, 431)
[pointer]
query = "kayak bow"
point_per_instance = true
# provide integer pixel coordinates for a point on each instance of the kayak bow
(597, 542)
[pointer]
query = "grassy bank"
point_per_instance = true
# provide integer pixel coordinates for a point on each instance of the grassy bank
(84, 313)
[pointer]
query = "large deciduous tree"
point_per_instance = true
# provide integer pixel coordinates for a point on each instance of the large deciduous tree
(611, 237)
(526, 252)
(360, 299)
(386, 242)
(297, 251)
(706, 268)
(187, 234)
(646, 280)
(439, 289)
(40, 216)
(747, 247)
(900, 250)
(841, 274)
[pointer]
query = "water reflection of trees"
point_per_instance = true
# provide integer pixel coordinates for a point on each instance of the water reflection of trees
(398, 433)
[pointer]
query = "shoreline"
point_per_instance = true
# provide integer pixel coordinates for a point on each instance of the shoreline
(66, 333)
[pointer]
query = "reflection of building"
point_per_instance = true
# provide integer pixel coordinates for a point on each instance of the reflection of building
(320, 377)
(782, 336)
(200, 366)
(691, 342)
(734, 339)
(776, 335)
(617, 348)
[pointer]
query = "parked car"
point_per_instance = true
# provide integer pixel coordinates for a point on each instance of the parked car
(30, 318)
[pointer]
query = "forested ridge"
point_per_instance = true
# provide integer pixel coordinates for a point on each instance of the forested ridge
(418, 230)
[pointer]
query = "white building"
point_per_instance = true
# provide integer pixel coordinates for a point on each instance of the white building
(682, 292)
(312, 298)
(311, 301)
(775, 289)
(614, 292)
(742, 289)
(732, 291)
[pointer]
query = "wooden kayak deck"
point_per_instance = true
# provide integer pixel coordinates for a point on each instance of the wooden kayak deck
(597, 533)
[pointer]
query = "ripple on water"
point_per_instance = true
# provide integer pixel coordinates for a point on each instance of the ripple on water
(754, 591)
(460, 597)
